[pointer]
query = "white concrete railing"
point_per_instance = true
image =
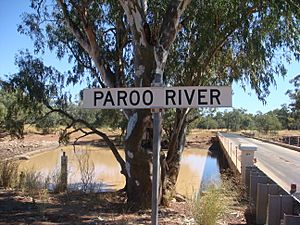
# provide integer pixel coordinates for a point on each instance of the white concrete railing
(241, 155)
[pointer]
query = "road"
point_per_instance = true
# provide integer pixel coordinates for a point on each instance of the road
(281, 164)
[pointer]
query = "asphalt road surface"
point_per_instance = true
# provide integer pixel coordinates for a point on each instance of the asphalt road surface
(281, 164)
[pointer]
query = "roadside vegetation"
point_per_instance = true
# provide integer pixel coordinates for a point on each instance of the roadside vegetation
(8, 173)
(216, 201)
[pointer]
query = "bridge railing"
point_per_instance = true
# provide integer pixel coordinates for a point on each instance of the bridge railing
(270, 204)
(240, 155)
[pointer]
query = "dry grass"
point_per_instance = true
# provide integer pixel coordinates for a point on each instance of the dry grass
(9, 173)
(277, 135)
(201, 132)
(87, 171)
(214, 202)
(289, 132)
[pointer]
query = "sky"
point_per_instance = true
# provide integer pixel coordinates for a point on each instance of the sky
(11, 42)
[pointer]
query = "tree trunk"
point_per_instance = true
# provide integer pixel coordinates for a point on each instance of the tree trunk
(171, 165)
(138, 160)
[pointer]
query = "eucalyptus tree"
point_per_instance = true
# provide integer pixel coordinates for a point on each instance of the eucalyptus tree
(124, 43)
(267, 122)
(284, 116)
(295, 104)
(13, 116)
(112, 45)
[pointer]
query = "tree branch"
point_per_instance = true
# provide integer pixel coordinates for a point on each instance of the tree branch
(73, 28)
(101, 134)
(90, 67)
(88, 41)
(179, 120)
(168, 31)
(221, 43)
(135, 11)
(82, 136)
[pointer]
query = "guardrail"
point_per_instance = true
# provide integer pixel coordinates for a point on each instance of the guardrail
(268, 201)
(239, 156)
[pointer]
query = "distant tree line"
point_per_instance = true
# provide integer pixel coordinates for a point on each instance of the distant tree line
(239, 119)
(287, 117)
(16, 111)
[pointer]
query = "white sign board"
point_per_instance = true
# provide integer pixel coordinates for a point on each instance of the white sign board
(157, 97)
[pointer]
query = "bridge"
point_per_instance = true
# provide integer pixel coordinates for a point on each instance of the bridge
(271, 174)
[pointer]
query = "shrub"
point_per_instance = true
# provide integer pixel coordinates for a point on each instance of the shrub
(87, 171)
(33, 185)
(8, 173)
(54, 181)
(213, 202)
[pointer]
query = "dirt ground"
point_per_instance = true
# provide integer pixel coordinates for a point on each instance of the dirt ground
(95, 208)
(78, 208)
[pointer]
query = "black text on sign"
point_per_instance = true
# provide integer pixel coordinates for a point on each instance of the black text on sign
(157, 97)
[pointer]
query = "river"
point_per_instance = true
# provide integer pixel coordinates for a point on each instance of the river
(198, 167)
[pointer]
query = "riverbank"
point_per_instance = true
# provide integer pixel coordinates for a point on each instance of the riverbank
(30, 144)
(34, 143)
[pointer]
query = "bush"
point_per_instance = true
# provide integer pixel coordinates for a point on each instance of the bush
(33, 185)
(8, 173)
(87, 171)
(213, 202)
(48, 123)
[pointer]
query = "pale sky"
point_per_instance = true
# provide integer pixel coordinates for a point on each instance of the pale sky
(11, 42)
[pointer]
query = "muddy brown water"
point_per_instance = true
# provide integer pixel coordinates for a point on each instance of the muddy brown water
(198, 168)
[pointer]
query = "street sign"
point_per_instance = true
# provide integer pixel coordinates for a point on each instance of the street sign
(158, 97)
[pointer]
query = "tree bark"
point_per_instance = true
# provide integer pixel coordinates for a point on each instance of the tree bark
(138, 160)
(171, 165)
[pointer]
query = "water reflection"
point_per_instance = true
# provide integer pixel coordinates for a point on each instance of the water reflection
(107, 170)
(198, 167)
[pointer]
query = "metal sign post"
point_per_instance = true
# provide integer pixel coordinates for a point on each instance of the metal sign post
(156, 155)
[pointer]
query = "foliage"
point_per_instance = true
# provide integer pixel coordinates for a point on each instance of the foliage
(12, 115)
(33, 184)
(234, 120)
(231, 40)
(168, 123)
(234, 40)
(48, 123)
(51, 182)
(267, 122)
(295, 105)
(98, 117)
(239, 119)
(283, 114)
